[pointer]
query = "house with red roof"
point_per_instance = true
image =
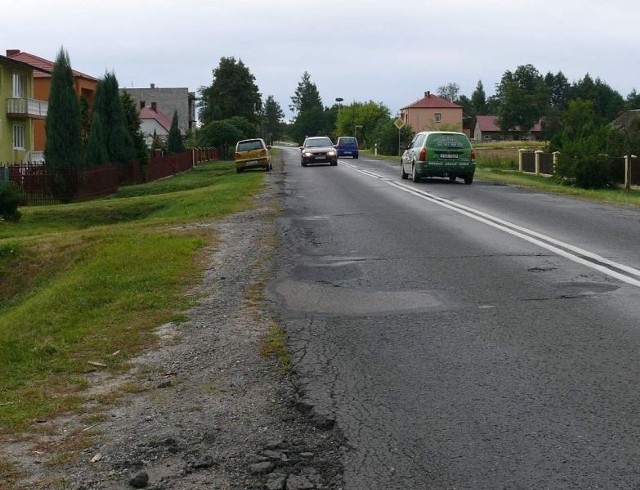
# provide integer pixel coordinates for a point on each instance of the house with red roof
(432, 113)
(487, 129)
(20, 111)
(154, 122)
(85, 87)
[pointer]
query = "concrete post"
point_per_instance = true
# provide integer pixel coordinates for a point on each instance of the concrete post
(556, 155)
(520, 157)
(538, 153)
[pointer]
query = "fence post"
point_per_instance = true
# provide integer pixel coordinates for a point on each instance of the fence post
(5, 174)
(520, 157)
(556, 156)
(627, 172)
(538, 154)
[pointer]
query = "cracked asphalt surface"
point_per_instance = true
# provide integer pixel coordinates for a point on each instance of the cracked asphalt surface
(209, 410)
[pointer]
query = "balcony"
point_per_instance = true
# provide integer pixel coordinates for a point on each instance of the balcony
(23, 107)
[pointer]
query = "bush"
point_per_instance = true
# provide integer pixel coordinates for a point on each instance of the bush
(9, 200)
(592, 172)
(582, 163)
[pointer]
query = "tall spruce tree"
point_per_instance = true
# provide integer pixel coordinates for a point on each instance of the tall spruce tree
(108, 105)
(174, 138)
(96, 153)
(133, 125)
(63, 148)
(307, 105)
(272, 119)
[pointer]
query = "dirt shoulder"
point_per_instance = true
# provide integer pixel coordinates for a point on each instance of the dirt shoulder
(205, 409)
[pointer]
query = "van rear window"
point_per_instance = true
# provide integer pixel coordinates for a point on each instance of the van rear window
(450, 140)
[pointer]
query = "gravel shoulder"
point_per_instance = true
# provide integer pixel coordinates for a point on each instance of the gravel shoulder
(208, 410)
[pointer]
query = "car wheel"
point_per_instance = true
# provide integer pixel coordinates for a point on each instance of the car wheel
(403, 175)
(468, 180)
(414, 174)
(355, 156)
(452, 178)
(238, 170)
(304, 164)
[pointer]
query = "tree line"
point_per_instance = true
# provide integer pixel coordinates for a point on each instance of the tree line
(575, 117)
(79, 135)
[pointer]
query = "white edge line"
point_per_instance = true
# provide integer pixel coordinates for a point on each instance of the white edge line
(520, 232)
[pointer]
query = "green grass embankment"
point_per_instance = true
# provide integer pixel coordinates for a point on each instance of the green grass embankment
(83, 286)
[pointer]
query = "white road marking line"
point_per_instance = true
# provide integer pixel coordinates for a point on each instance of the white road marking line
(571, 252)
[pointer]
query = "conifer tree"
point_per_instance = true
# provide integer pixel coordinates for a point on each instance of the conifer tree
(108, 105)
(133, 125)
(63, 148)
(174, 138)
(96, 153)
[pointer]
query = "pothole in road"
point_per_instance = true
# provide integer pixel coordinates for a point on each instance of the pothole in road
(581, 289)
(325, 298)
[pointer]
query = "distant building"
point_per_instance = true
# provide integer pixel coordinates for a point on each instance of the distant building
(432, 113)
(153, 121)
(84, 86)
(167, 101)
(487, 129)
(20, 111)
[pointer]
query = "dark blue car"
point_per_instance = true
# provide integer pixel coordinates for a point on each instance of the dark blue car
(347, 146)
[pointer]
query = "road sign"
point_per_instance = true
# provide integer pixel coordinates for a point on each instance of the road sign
(398, 123)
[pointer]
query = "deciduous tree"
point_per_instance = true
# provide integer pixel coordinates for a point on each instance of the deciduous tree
(232, 93)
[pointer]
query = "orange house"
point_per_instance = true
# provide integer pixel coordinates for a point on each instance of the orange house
(432, 113)
(85, 87)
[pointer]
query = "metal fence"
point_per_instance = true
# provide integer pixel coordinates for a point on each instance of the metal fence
(39, 186)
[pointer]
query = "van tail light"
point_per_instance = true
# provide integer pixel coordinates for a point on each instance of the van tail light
(423, 155)
(237, 155)
(473, 155)
(263, 153)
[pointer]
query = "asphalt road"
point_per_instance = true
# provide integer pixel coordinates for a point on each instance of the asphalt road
(464, 337)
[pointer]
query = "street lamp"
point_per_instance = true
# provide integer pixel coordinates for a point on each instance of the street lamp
(339, 101)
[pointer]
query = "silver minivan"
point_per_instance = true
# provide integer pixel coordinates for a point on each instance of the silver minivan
(439, 154)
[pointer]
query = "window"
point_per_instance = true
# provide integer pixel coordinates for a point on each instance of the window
(18, 137)
(142, 104)
(438, 117)
(18, 85)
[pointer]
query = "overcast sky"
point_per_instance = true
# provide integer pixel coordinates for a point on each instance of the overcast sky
(389, 51)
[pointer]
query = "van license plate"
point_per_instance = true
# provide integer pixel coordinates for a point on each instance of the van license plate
(449, 156)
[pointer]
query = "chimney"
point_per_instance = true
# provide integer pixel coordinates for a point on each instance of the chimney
(11, 52)
(427, 94)
(153, 85)
(154, 106)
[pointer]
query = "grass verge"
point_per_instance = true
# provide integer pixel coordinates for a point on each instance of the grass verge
(83, 286)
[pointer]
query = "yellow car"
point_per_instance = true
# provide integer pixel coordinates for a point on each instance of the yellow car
(253, 153)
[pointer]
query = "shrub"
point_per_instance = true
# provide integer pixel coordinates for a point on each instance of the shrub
(9, 200)
(583, 163)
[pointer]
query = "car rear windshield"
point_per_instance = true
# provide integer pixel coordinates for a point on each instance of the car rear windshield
(347, 141)
(448, 140)
(249, 145)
